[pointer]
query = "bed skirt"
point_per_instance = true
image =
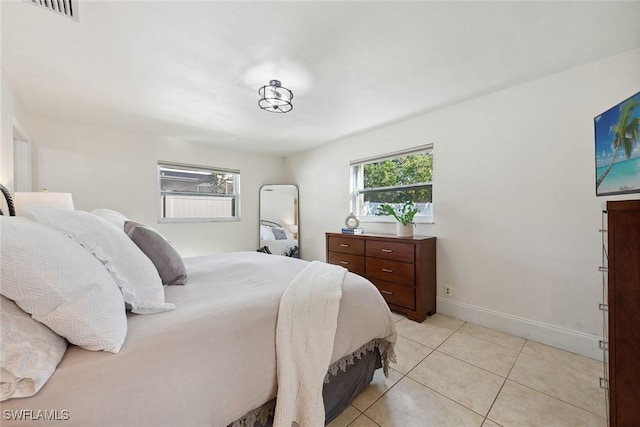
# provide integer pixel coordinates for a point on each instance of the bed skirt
(345, 379)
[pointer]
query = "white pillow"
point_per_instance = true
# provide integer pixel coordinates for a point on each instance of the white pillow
(30, 352)
(114, 217)
(134, 273)
(55, 280)
(266, 233)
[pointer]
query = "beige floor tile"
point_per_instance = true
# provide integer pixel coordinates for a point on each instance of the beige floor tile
(493, 336)
(398, 316)
(481, 353)
(363, 421)
(555, 355)
(576, 383)
(443, 321)
(408, 354)
(518, 405)
(424, 333)
(345, 418)
(468, 385)
(409, 404)
(457, 383)
(376, 388)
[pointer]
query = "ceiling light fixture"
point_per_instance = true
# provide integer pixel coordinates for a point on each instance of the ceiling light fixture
(275, 98)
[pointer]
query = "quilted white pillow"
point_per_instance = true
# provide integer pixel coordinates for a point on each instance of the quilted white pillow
(114, 217)
(134, 273)
(55, 280)
(30, 352)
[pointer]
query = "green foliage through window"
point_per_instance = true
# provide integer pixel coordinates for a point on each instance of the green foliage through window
(394, 180)
(412, 169)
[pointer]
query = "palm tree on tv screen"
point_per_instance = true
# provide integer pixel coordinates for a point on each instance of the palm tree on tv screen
(626, 132)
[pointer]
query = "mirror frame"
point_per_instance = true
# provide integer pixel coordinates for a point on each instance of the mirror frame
(285, 221)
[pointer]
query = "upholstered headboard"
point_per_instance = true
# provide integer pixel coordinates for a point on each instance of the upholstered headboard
(7, 197)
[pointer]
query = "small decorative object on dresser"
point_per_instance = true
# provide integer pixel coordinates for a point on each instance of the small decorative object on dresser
(352, 231)
(404, 214)
(351, 222)
(402, 268)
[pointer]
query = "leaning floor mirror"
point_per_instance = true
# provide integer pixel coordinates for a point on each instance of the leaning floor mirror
(279, 231)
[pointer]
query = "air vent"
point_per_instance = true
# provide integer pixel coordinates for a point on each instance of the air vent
(68, 8)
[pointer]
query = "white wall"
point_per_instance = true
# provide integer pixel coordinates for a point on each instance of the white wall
(277, 204)
(12, 116)
(6, 135)
(516, 215)
(111, 168)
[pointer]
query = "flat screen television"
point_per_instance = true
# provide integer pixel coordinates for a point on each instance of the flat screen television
(617, 138)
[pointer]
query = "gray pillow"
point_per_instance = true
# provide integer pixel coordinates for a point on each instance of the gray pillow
(279, 234)
(158, 249)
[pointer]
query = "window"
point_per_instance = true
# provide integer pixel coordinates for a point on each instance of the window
(198, 193)
(394, 178)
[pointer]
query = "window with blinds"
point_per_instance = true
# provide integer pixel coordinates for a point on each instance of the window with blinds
(198, 193)
(394, 178)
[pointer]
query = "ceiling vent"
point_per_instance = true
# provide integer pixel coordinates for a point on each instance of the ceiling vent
(68, 8)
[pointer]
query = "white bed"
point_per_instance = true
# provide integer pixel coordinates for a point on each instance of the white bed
(281, 247)
(277, 239)
(209, 362)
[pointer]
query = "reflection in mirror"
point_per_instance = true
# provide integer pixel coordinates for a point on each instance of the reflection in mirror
(279, 231)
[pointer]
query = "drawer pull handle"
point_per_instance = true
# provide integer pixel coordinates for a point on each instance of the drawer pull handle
(387, 292)
(344, 262)
(344, 245)
(387, 250)
(387, 270)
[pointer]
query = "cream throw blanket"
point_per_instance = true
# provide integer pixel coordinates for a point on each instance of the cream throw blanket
(305, 332)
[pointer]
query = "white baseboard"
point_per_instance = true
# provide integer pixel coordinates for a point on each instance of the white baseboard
(565, 339)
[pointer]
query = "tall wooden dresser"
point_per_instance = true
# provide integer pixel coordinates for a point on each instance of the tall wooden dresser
(623, 274)
(402, 268)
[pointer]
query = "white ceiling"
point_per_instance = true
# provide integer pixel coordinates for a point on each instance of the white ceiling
(191, 70)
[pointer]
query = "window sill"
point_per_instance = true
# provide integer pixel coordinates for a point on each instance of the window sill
(194, 220)
(388, 219)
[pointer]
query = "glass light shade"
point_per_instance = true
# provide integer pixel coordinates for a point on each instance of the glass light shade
(57, 200)
(275, 98)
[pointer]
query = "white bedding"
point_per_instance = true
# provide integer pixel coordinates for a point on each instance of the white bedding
(209, 361)
(305, 332)
(279, 247)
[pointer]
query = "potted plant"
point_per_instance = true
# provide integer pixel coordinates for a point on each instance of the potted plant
(404, 215)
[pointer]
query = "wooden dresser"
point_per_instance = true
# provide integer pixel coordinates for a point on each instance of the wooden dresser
(402, 268)
(623, 232)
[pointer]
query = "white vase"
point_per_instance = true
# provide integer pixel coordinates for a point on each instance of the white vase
(404, 230)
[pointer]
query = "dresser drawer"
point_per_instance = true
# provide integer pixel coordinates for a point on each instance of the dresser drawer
(346, 245)
(391, 271)
(354, 263)
(399, 295)
(390, 250)
(403, 269)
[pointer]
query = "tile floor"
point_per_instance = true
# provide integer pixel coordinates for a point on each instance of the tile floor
(453, 373)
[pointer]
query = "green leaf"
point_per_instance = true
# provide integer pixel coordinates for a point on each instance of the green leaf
(404, 215)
